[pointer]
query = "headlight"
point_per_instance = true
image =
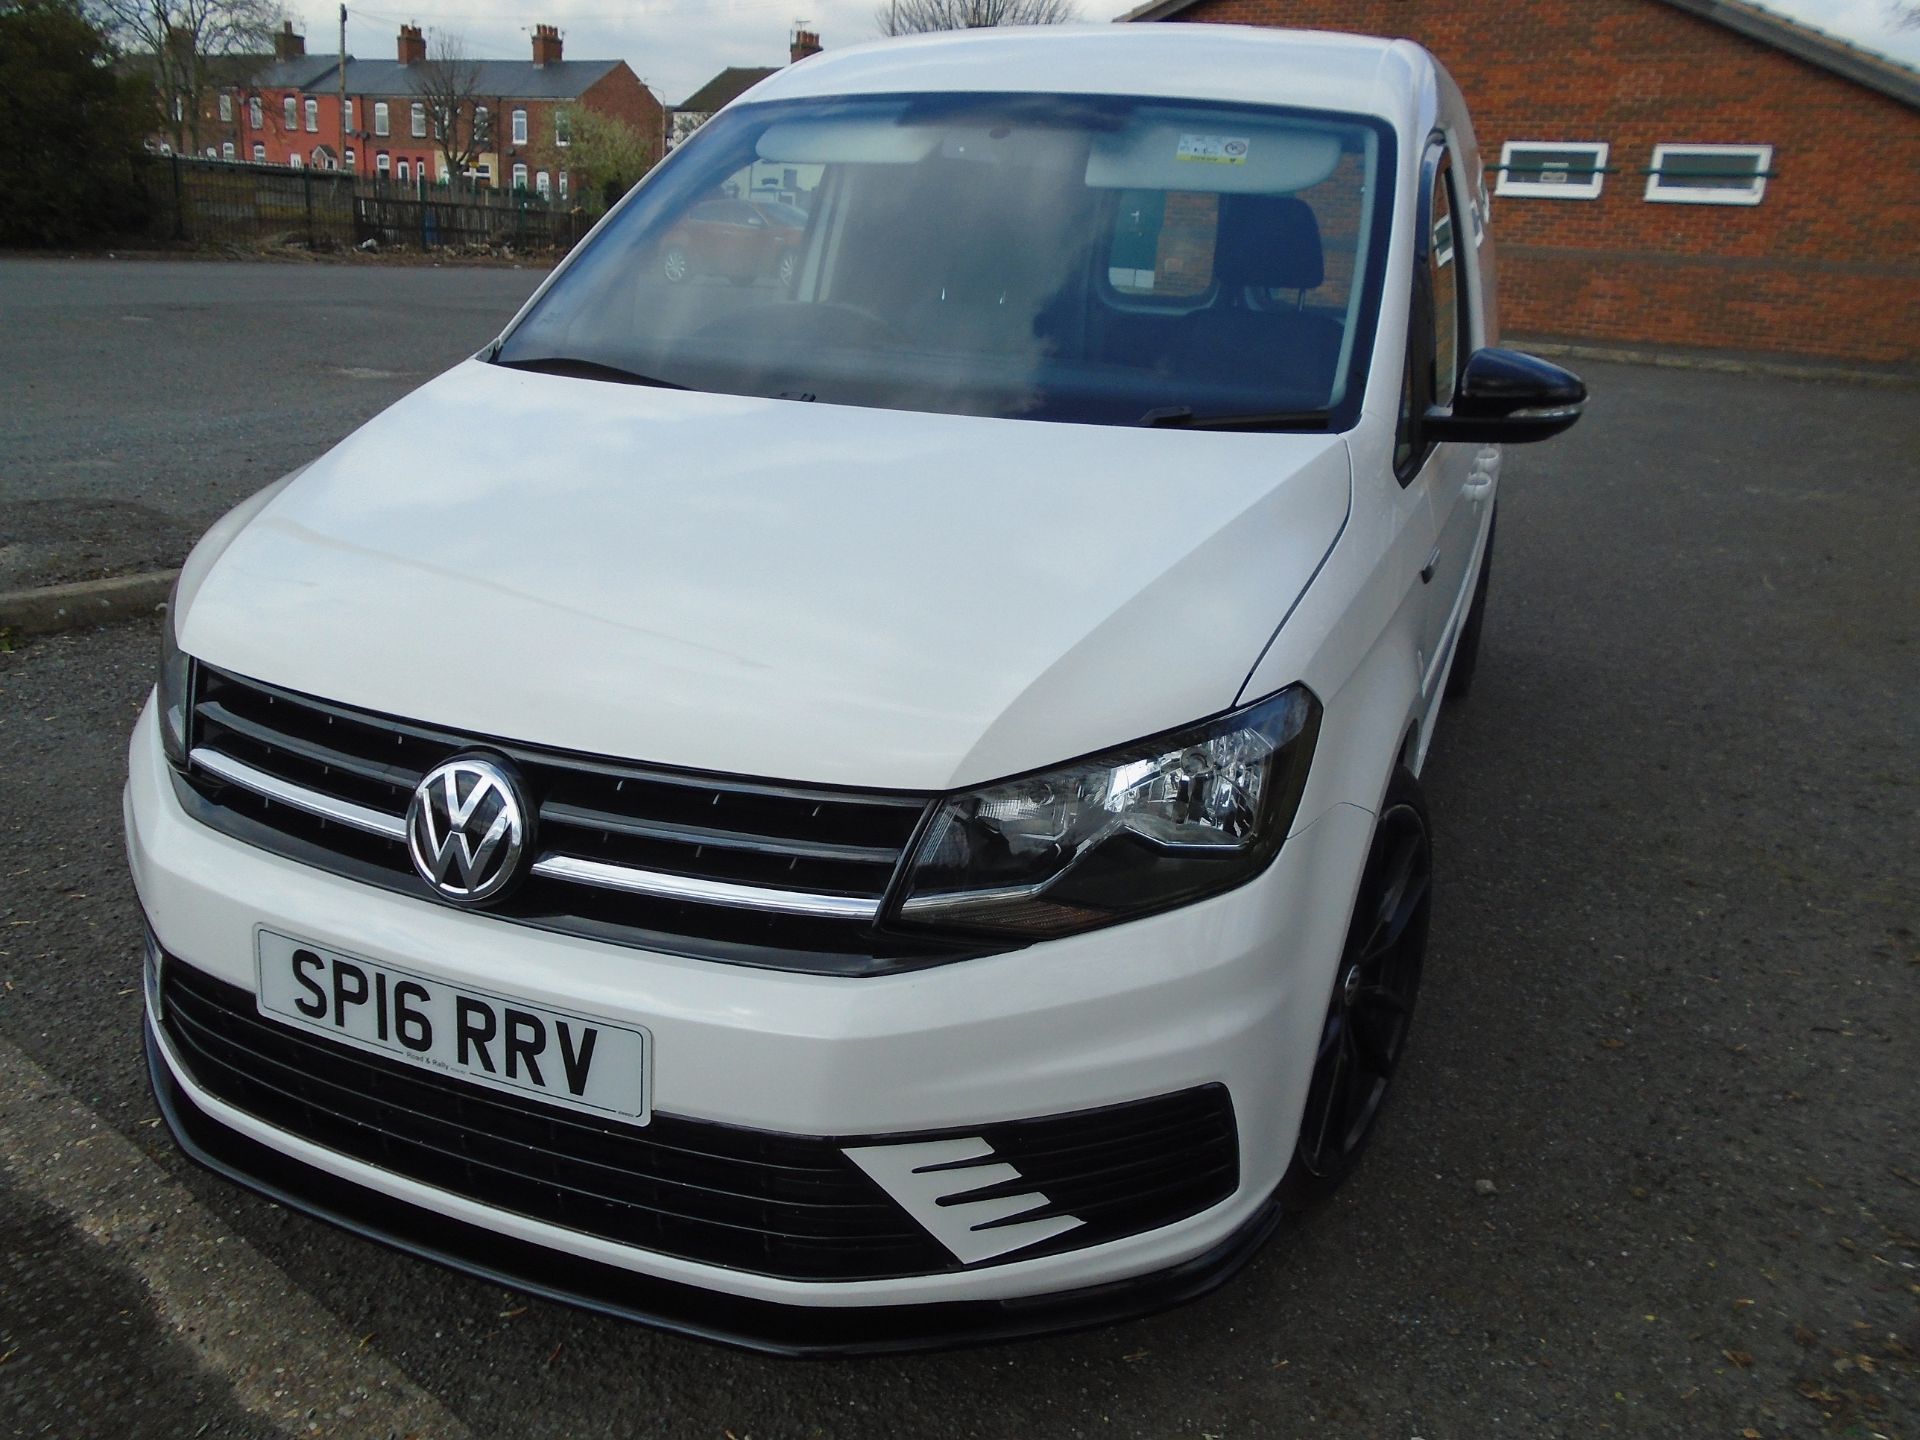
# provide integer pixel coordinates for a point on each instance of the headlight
(176, 690)
(1138, 829)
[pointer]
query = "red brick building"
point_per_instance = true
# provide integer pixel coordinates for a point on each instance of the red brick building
(1680, 172)
(515, 116)
(729, 85)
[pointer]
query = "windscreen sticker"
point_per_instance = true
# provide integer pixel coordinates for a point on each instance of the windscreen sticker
(1212, 149)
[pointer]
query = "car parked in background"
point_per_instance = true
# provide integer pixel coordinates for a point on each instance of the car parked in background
(898, 820)
(737, 240)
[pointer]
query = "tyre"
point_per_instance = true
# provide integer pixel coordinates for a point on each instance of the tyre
(675, 265)
(1370, 1012)
(786, 267)
(1466, 655)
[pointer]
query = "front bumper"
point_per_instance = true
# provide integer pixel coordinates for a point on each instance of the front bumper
(1228, 992)
(683, 1309)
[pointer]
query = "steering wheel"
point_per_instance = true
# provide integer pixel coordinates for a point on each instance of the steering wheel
(827, 313)
(828, 322)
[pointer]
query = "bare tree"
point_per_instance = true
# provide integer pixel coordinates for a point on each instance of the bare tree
(916, 17)
(186, 39)
(447, 83)
(1905, 14)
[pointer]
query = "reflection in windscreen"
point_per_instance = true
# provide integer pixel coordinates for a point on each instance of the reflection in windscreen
(1064, 258)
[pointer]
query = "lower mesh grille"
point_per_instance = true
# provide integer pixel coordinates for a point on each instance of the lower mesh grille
(781, 1205)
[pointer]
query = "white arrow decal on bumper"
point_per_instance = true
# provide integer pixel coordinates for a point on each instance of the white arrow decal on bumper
(931, 1179)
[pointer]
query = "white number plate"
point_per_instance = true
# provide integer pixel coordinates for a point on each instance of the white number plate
(566, 1059)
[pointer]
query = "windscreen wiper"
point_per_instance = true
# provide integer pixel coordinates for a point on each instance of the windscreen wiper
(587, 370)
(1183, 417)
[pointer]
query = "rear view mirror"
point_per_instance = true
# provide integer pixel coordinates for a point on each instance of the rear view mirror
(1508, 398)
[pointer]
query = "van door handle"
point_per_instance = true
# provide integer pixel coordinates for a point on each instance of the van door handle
(1433, 564)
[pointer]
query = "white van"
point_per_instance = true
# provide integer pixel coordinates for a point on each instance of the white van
(850, 780)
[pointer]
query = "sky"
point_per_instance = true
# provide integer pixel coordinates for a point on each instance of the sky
(676, 46)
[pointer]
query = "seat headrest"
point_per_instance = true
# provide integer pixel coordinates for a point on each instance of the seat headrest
(1268, 242)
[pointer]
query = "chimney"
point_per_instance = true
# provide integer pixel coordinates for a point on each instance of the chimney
(413, 45)
(805, 43)
(287, 45)
(546, 45)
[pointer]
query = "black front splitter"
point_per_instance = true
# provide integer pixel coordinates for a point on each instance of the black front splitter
(759, 1325)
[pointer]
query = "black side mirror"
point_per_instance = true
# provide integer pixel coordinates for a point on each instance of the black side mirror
(1507, 398)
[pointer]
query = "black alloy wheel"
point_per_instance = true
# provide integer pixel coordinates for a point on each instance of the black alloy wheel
(1371, 1009)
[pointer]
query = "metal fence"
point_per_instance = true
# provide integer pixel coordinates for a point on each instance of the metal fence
(210, 202)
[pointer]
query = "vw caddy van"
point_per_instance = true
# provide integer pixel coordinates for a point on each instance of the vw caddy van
(868, 800)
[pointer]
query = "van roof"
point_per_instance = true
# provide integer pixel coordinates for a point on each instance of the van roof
(1312, 69)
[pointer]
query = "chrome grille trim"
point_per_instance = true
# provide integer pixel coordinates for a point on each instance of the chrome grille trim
(748, 870)
(327, 807)
(572, 868)
(709, 892)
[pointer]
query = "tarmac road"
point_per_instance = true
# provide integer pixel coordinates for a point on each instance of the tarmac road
(145, 398)
(1670, 1012)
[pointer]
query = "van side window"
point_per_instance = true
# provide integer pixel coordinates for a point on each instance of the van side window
(1163, 243)
(1438, 332)
(1443, 273)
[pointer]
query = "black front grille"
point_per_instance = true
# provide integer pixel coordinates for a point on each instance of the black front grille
(784, 1205)
(793, 840)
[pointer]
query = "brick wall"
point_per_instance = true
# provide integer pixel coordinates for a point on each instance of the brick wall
(1828, 264)
(620, 94)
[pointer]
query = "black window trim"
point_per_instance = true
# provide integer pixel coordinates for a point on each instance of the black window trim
(1435, 162)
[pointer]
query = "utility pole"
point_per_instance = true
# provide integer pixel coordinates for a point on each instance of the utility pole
(342, 160)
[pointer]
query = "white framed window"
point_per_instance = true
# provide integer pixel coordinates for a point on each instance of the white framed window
(349, 115)
(519, 127)
(1552, 169)
(1709, 174)
(313, 117)
(256, 117)
(290, 112)
(543, 182)
(259, 153)
(383, 164)
(295, 161)
(563, 185)
(180, 107)
(226, 150)
(403, 172)
(349, 154)
(562, 128)
(519, 177)
(419, 114)
(211, 153)
(226, 107)
(482, 128)
(379, 117)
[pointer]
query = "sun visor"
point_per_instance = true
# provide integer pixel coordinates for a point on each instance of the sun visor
(1212, 152)
(852, 141)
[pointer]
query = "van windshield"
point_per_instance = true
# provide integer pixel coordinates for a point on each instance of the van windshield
(1090, 259)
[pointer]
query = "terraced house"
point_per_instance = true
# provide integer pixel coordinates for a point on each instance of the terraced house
(509, 122)
(1696, 173)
